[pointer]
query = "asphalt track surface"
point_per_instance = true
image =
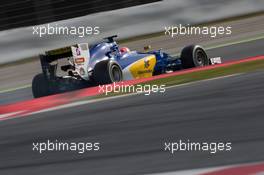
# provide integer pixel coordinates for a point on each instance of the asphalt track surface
(228, 53)
(132, 130)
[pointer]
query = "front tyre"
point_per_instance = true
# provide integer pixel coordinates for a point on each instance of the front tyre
(107, 72)
(194, 56)
(40, 86)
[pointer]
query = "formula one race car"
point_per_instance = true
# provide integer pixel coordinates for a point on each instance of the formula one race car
(105, 63)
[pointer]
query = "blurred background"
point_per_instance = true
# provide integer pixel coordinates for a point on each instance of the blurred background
(127, 18)
(22, 13)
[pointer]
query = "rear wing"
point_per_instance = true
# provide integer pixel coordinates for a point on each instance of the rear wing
(77, 52)
(60, 53)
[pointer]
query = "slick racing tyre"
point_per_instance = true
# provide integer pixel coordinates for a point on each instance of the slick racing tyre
(107, 72)
(40, 86)
(194, 56)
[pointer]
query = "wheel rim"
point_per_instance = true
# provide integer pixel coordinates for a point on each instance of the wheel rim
(201, 58)
(116, 73)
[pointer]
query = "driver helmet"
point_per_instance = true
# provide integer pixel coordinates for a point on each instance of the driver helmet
(124, 50)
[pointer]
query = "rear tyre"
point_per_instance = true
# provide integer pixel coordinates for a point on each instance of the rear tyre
(107, 72)
(194, 56)
(40, 86)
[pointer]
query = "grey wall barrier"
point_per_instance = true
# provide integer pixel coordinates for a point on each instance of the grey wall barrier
(21, 43)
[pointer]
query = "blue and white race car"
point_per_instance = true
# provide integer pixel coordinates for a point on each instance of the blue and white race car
(106, 62)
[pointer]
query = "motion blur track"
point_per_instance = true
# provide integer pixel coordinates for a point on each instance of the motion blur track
(132, 130)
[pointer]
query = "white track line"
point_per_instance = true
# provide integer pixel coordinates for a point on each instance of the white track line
(3, 116)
